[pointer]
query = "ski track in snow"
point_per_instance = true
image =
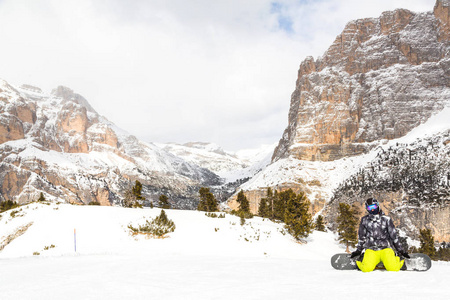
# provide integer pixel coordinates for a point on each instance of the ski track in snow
(195, 262)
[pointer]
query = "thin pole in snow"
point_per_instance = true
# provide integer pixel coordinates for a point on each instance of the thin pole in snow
(75, 239)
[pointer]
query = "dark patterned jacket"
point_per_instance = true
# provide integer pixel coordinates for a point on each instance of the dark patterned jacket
(377, 232)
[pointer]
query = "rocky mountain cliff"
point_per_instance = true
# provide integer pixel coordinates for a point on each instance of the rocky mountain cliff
(380, 79)
(59, 145)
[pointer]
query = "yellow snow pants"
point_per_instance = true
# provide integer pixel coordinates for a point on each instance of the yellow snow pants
(372, 258)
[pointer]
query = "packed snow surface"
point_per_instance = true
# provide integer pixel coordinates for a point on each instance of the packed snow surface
(205, 258)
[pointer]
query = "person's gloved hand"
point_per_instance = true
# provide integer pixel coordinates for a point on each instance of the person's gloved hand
(405, 254)
(355, 253)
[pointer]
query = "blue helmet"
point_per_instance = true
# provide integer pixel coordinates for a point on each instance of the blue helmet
(372, 206)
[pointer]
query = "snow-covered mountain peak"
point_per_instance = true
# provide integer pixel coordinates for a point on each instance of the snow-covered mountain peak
(31, 88)
(7, 92)
(229, 165)
(41, 133)
(69, 95)
(256, 155)
(210, 147)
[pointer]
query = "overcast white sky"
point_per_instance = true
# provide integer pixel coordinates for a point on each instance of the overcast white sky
(217, 71)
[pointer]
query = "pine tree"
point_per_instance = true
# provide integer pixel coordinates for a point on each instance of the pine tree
(41, 197)
(319, 225)
(279, 203)
(271, 197)
(244, 205)
(347, 222)
(137, 190)
(263, 211)
(207, 201)
(164, 202)
(202, 203)
(8, 204)
(134, 197)
(427, 243)
(296, 216)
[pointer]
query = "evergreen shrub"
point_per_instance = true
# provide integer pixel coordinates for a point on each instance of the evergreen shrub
(427, 243)
(319, 225)
(347, 221)
(158, 227)
(7, 205)
(207, 201)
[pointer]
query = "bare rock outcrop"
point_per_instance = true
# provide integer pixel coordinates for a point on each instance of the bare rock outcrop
(442, 13)
(380, 78)
(10, 129)
(16, 114)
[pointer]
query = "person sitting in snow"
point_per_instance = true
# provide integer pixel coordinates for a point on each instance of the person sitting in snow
(376, 234)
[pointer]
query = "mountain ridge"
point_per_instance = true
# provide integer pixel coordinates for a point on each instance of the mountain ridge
(65, 130)
(353, 93)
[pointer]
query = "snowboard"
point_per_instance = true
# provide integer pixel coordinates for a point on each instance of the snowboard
(417, 262)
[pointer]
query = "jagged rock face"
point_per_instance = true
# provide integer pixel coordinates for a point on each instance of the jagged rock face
(381, 78)
(58, 144)
(442, 13)
(10, 129)
(102, 134)
(14, 119)
(73, 119)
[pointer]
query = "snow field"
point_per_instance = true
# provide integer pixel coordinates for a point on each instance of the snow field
(103, 230)
(205, 258)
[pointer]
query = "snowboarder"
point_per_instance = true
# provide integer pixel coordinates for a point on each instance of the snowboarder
(376, 235)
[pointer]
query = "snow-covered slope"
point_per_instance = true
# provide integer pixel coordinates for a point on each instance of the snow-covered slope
(205, 258)
(206, 155)
(228, 165)
(103, 230)
(57, 144)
